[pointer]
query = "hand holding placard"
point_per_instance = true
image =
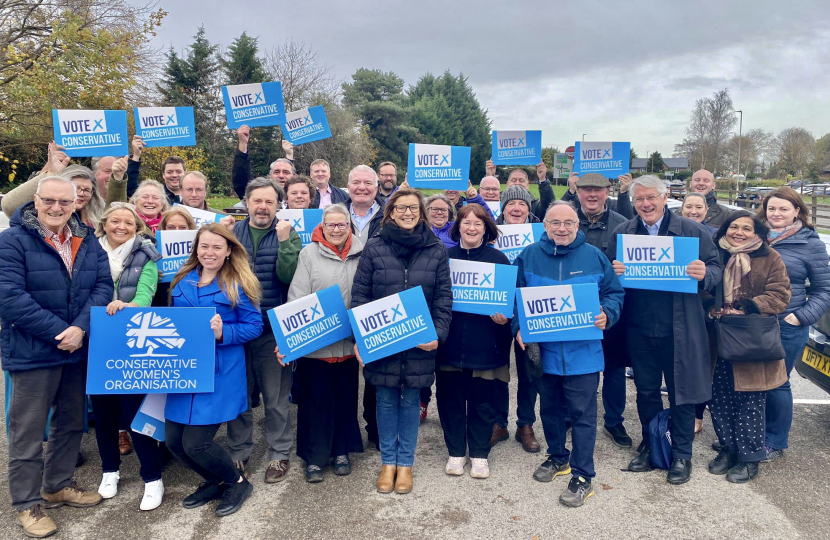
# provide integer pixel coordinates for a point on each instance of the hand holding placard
(697, 270)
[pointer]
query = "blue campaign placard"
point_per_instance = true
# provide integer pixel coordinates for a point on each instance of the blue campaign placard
(254, 105)
(149, 420)
(310, 323)
(483, 288)
(91, 133)
(438, 166)
(175, 248)
(306, 125)
(201, 217)
(152, 350)
(515, 238)
(392, 324)
(517, 147)
(165, 126)
(657, 263)
(494, 207)
(558, 312)
(610, 159)
(303, 221)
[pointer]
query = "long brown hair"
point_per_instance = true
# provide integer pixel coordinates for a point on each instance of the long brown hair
(791, 196)
(404, 192)
(236, 272)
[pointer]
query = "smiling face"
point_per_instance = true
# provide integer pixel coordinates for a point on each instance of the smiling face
(740, 231)
(55, 204)
(120, 227)
(176, 223)
(321, 175)
(149, 201)
(780, 213)
(409, 217)
(453, 195)
(362, 188)
(518, 178)
(515, 212)
(172, 175)
(561, 224)
(298, 196)
(695, 208)
(471, 230)
(702, 181)
(262, 207)
(194, 191)
(438, 213)
(211, 251)
(489, 188)
(103, 170)
(336, 228)
(592, 199)
(388, 178)
(649, 204)
(281, 172)
(83, 188)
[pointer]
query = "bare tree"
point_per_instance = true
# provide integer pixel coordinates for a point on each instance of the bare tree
(302, 75)
(755, 150)
(710, 126)
(794, 147)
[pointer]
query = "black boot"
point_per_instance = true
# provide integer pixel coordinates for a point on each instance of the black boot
(679, 472)
(723, 462)
(641, 463)
(742, 472)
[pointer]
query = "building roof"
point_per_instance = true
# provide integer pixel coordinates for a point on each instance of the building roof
(638, 163)
(676, 163)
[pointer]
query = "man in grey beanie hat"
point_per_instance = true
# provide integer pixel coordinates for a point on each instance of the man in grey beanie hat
(515, 207)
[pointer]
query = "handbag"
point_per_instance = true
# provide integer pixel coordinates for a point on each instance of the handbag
(749, 338)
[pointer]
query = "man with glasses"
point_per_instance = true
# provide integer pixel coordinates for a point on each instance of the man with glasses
(489, 188)
(388, 176)
(52, 272)
(570, 368)
(666, 331)
(195, 188)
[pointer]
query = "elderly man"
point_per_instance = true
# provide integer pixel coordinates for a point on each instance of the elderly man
(666, 331)
(515, 207)
(280, 170)
(365, 204)
(489, 188)
(621, 206)
(52, 271)
(388, 175)
(273, 248)
(518, 177)
(102, 167)
(195, 188)
(703, 182)
(570, 368)
(325, 194)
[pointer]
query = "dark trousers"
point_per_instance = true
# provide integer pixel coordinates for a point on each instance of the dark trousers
(525, 394)
(652, 359)
(738, 417)
(34, 393)
(465, 405)
(327, 415)
(576, 394)
(108, 410)
(195, 447)
(616, 359)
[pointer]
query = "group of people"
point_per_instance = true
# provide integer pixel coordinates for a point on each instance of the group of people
(75, 242)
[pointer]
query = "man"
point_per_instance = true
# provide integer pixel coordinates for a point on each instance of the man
(365, 205)
(52, 271)
(388, 175)
(325, 194)
(597, 222)
(273, 247)
(102, 167)
(518, 177)
(570, 369)
(515, 207)
(281, 170)
(704, 182)
(666, 331)
(489, 188)
(195, 188)
(172, 171)
(298, 191)
(621, 206)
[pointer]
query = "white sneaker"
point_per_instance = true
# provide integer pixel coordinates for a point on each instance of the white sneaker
(109, 485)
(480, 468)
(153, 493)
(455, 466)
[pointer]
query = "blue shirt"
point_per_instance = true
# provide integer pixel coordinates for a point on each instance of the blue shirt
(361, 222)
(653, 229)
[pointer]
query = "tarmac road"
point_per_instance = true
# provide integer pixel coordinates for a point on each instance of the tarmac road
(787, 500)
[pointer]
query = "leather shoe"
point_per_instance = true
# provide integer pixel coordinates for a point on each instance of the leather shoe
(619, 435)
(499, 434)
(642, 462)
(722, 463)
(679, 472)
(526, 436)
(742, 472)
(403, 481)
(386, 479)
(125, 445)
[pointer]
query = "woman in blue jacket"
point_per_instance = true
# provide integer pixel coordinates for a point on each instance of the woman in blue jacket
(805, 257)
(216, 275)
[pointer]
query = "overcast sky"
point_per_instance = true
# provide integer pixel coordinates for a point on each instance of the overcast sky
(613, 70)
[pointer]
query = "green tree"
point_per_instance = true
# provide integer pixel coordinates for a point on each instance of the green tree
(655, 163)
(631, 157)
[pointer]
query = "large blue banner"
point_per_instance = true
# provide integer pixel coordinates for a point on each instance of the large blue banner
(310, 323)
(306, 125)
(438, 166)
(483, 288)
(152, 350)
(657, 263)
(611, 159)
(303, 221)
(517, 147)
(254, 105)
(515, 238)
(392, 324)
(175, 248)
(558, 312)
(90, 133)
(165, 126)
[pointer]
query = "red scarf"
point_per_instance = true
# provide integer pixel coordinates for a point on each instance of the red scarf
(317, 236)
(152, 223)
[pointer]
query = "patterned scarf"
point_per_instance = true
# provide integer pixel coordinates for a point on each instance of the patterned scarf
(776, 236)
(737, 267)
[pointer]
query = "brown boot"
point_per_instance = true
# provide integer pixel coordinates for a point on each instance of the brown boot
(72, 496)
(386, 479)
(403, 483)
(125, 445)
(36, 522)
(526, 436)
(499, 434)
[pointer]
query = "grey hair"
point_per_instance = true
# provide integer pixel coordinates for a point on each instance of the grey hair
(281, 160)
(56, 178)
(694, 194)
(366, 169)
(150, 183)
(262, 182)
(554, 204)
(337, 208)
(649, 181)
(442, 197)
(95, 206)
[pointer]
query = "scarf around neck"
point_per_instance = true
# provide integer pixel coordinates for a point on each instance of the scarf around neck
(403, 242)
(737, 267)
(117, 256)
(776, 236)
(152, 223)
(318, 236)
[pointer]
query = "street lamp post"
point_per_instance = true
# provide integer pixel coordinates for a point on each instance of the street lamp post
(583, 137)
(740, 133)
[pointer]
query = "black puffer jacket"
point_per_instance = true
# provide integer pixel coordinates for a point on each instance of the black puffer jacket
(382, 273)
(475, 341)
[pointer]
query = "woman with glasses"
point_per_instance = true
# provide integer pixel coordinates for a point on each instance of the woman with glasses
(404, 254)
(441, 212)
(327, 425)
(132, 259)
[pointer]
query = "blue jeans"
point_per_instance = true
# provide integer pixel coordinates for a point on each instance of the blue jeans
(780, 400)
(398, 418)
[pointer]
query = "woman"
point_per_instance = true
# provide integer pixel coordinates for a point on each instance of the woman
(805, 257)
(150, 201)
(175, 219)
(215, 275)
(404, 254)
(132, 259)
(88, 202)
(441, 212)
(473, 365)
(754, 281)
(327, 415)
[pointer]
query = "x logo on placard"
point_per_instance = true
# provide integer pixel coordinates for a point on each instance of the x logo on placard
(664, 253)
(521, 141)
(315, 311)
(97, 125)
(258, 97)
(445, 159)
(297, 223)
(308, 119)
(396, 313)
(171, 119)
(566, 302)
(485, 278)
(607, 154)
(527, 239)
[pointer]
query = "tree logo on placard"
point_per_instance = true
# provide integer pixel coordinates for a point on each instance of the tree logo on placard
(150, 331)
